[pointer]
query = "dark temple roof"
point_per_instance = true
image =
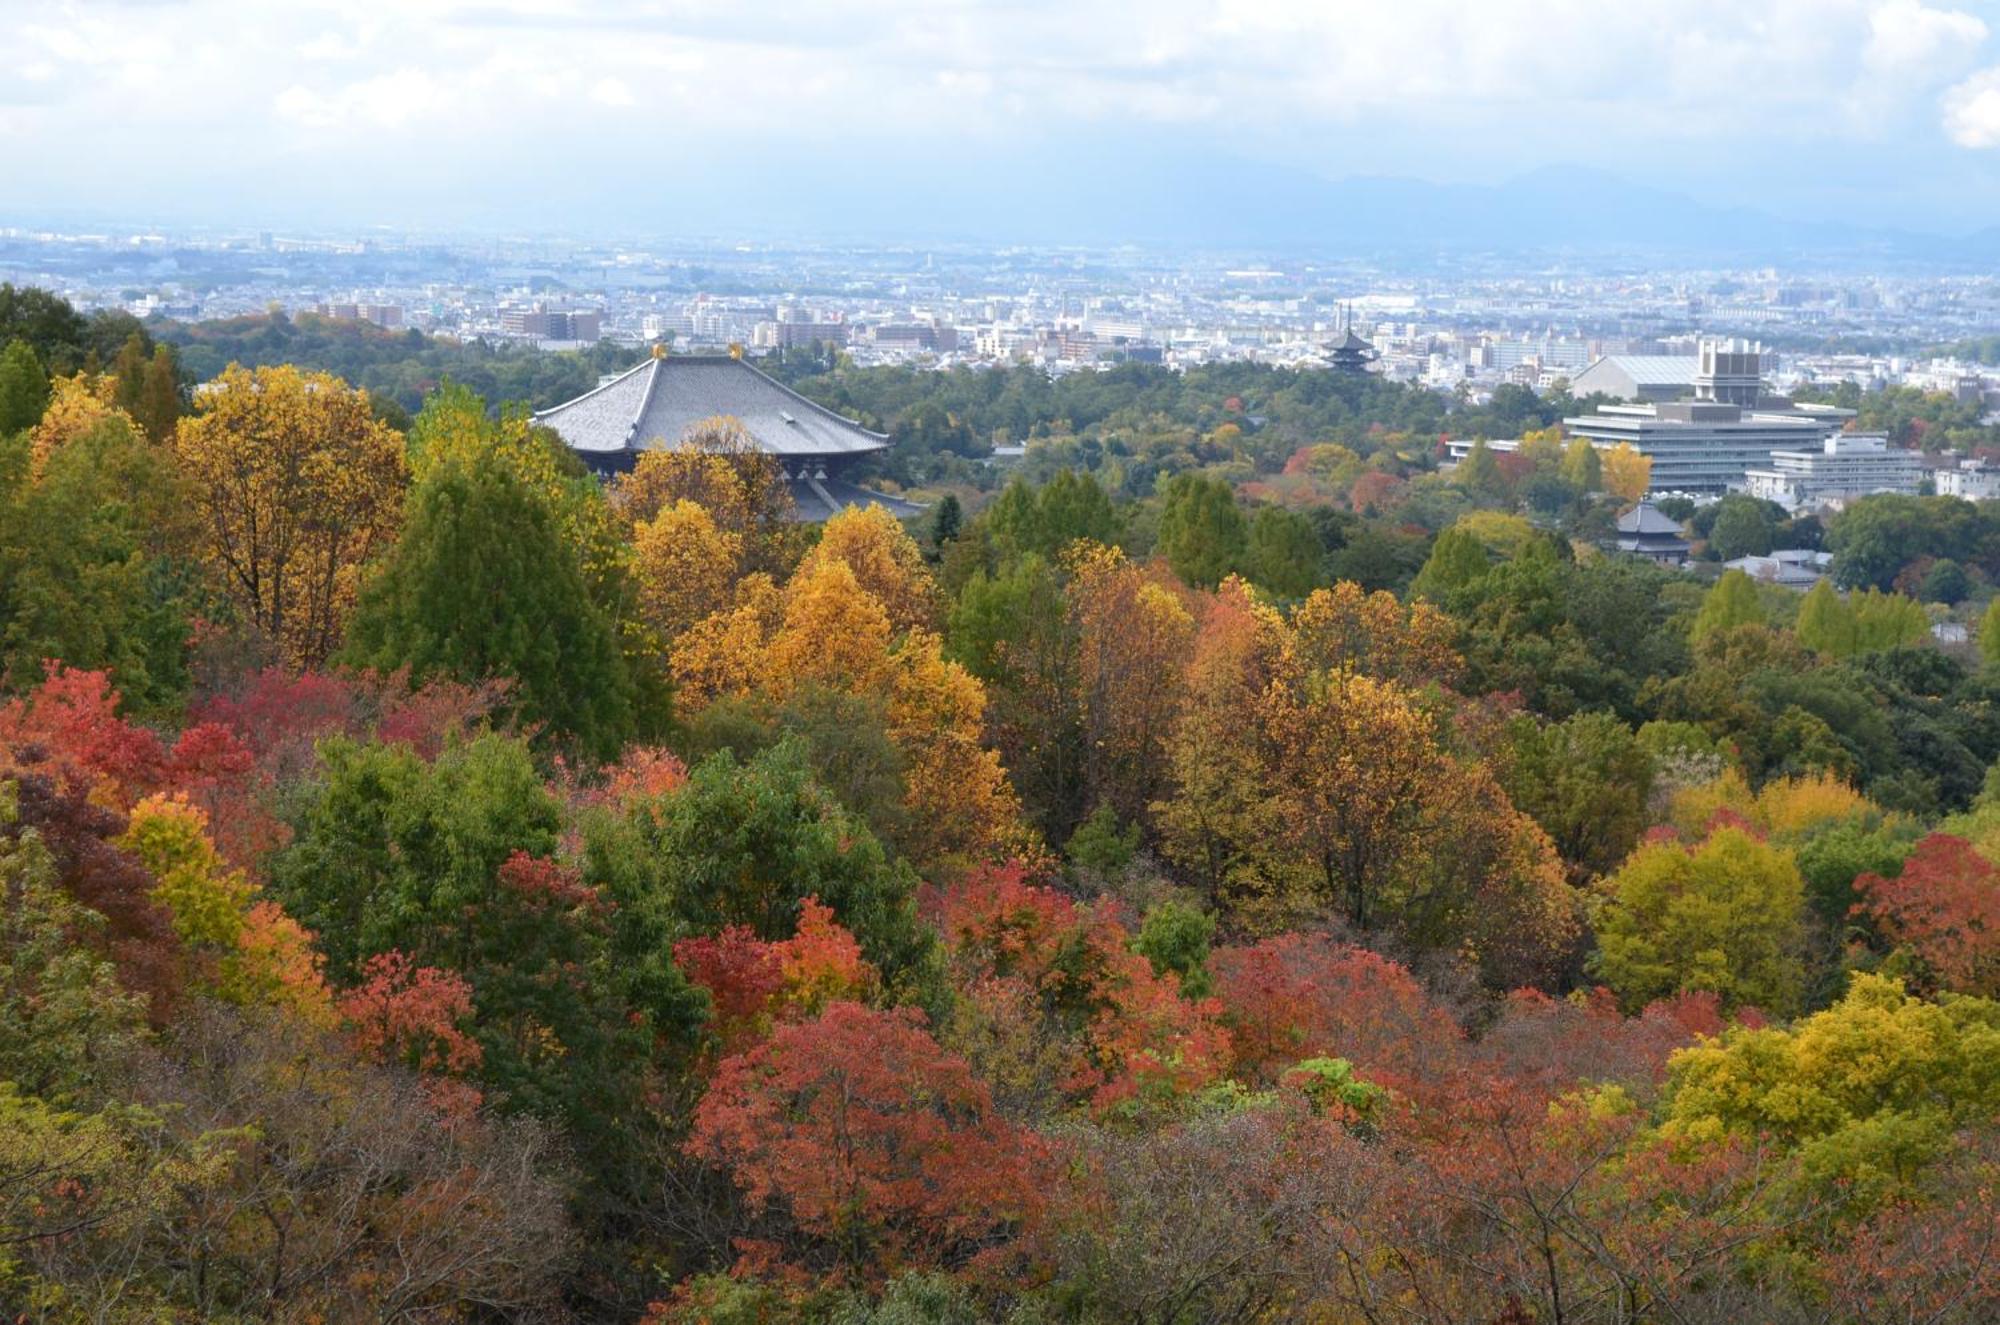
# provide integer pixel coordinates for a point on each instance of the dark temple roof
(654, 404)
(1646, 518)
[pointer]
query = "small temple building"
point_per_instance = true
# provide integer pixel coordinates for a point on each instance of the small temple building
(656, 403)
(1351, 354)
(1647, 531)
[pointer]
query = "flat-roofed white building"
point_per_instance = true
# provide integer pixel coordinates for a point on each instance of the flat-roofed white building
(1974, 480)
(1845, 466)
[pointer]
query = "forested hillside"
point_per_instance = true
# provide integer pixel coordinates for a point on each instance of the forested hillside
(1226, 870)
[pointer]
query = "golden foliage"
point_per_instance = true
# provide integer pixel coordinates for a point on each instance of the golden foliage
(76, 405)
(885, 560)
(296, 485)
(684, 567)
(1627, 474)
(1344, 631)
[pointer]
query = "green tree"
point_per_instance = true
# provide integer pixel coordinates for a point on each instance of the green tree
(1989, 634)
(744, 843)
(24, 388)
(1202, 532)
(1479, 472)
(1074, 505)
(1284, 555)
(56, 332)
(84, 575)
(1458, 559)
(391, 852)
(1585, 780)
(947, 520)
(1723, 916)
(482, 585)
(1101, 843)
(1583, 467)
(1175, 937)
(1825, 624)
(1945, 582)
(1742, 528)
(1730, 603)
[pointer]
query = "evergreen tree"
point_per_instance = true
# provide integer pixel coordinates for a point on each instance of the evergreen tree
(158, 407)
(1457, 559)
(1075, 505)
(24, 388)
(481, 584)
(1202, 532)
(1732, 602)
(947, 521)
(1582, 466)
(129, 368)
(1479, 474)
(1285, 554)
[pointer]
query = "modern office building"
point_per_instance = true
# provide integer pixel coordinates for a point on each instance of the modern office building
(542, 323)
(1847, 465)
(1710, 443)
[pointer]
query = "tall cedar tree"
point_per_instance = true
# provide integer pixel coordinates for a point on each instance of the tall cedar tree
(24, 388)
(481, 585)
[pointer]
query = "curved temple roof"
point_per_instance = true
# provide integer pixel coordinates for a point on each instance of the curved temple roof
(654, 403)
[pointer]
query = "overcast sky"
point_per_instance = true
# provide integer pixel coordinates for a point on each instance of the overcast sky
(662, 115)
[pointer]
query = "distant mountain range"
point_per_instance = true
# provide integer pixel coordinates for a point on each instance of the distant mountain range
(1074, 194)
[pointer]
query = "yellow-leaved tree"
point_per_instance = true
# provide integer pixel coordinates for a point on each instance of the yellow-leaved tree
(685, 568)
(1627, 474)
(828, 631)
(296, 485)
(76, 405)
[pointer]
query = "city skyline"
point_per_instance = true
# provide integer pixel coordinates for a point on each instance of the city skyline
(1779, 123)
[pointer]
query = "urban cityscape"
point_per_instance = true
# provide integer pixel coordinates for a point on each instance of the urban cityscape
(1213, 662)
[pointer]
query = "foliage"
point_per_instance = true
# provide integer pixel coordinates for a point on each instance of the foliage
(1721, 916)
(881, 1149)
(1943, 909)
(295, 486)
(480, 586)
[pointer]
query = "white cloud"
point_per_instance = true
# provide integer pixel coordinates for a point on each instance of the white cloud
(612, 92)
(1907, 37)
(1972, 110)
(1311, 82)
(388, 101)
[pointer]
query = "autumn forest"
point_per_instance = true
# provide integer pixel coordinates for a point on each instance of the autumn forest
(1222, 869)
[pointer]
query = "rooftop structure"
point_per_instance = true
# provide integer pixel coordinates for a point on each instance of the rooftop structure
(1641, 377)
(1974, 480)
(1846, 466)
(657, 403)
(1793, 568)
(1647, 531)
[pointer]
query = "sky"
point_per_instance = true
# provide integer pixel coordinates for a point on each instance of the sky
(846, 118)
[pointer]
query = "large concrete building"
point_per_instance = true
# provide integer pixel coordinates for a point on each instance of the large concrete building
(661, 401)
(1847, 465)
(1710, 443)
